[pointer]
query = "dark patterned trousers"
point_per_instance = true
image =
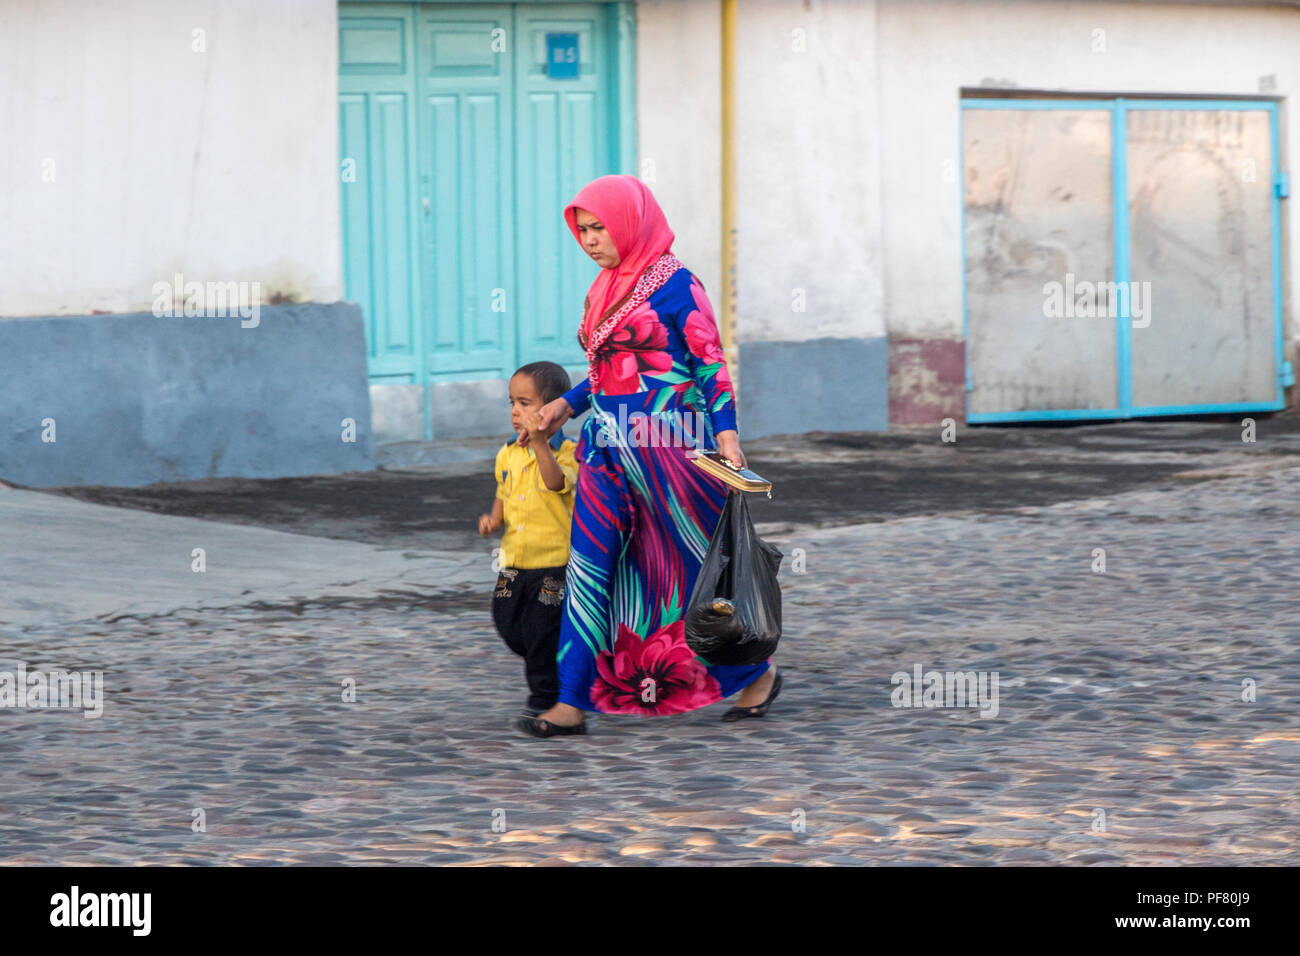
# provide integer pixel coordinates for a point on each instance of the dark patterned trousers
(527, 607)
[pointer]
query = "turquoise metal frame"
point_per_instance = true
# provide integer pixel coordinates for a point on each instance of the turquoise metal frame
(1119, 107)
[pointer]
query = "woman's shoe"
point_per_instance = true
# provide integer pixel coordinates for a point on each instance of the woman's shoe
(740, 713)
(537, 727)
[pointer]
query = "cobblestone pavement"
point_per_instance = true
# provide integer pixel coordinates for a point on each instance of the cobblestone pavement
(1121, 734)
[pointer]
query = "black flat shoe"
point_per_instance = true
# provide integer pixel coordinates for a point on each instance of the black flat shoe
(537, 727)
(740, 713)
(524, 712)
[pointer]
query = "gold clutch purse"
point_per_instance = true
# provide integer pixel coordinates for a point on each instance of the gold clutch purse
(742, 479)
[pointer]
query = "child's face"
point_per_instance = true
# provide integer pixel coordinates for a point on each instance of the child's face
(524, 400)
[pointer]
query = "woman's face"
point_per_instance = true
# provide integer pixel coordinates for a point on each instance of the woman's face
(596, 240)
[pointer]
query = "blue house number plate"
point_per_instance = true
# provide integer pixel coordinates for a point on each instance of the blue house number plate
(562, 56)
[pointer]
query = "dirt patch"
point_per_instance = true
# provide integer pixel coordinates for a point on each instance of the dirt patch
(820, 479)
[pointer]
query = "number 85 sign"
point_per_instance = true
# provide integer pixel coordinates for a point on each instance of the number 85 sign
(562, 56)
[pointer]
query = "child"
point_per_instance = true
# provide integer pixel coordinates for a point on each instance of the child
(535, 486)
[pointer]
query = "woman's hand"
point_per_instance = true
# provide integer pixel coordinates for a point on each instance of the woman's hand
(729, 447)
(551, 416)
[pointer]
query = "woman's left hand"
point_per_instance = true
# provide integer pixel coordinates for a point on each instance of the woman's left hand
(729, 447)
(554, 413)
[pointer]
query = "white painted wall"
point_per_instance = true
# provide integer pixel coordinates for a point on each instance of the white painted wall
(808, 170)
(679, 110)
(221, 165)
(807, 182)
(930, 49)
(848, 184)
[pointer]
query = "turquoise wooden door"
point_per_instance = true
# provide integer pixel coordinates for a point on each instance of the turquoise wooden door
(379, 189)
(459, 257)
(466, 184)
(555, 115)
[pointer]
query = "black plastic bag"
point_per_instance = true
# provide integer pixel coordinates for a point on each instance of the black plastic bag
(740, 568)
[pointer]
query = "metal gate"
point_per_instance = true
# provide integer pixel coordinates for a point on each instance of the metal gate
(1121, 258)
(460, 142)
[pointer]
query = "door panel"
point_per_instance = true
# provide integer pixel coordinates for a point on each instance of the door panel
(390, 200)
(377, 150)
(1039, 210)
(1200, 211)
(440, 185)
(563, 136)
(354, 109)
(467, 135)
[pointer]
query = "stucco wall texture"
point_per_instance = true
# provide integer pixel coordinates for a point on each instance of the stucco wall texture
(144, 139)
(144, 399)
(848, 167)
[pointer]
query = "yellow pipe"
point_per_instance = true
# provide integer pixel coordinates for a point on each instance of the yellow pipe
(728, 325)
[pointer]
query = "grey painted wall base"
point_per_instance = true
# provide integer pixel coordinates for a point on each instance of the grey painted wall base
(787, 388)
(137, 399)
(468, 409)
(395, 413)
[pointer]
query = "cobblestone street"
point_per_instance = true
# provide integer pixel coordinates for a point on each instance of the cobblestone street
(1121, 734)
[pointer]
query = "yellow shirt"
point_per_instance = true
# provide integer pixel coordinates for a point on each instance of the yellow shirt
(536, 519)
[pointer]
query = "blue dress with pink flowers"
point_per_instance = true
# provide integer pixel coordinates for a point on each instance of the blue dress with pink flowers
(644, 514)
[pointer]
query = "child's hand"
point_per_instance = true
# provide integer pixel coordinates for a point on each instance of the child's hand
(487, 524)
(536, 428)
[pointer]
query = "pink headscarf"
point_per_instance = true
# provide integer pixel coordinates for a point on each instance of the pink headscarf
(627, 208)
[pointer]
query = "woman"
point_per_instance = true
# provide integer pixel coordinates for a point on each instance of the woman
(644, 513)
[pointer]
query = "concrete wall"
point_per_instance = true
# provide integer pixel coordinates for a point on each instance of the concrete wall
(811, 258)
(143, 399)
(129, 156)
(849, 186)
(928, 51)
(679, 112)
(138, 148)
(145, 140)
(809, 270)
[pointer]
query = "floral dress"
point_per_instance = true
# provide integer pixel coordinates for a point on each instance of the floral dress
(644, 513)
